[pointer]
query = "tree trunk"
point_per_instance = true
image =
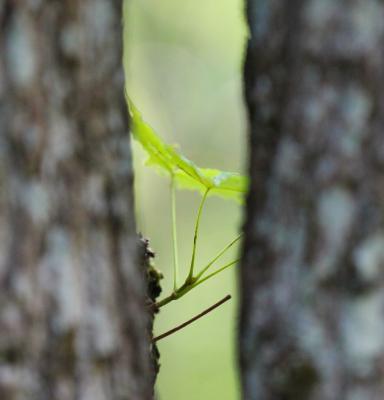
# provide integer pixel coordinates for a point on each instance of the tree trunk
(72, 315)
(312, 277)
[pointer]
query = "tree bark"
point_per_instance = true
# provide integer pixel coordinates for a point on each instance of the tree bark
(73, 321)
(312, 275)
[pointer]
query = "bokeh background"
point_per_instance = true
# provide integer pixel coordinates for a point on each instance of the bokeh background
(183, 66)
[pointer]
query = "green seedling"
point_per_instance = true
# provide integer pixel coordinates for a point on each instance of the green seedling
(184, 174)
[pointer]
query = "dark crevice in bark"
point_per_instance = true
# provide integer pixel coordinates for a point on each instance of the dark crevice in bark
(153, 278)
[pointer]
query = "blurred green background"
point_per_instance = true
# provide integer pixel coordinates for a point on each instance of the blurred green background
(183, 65)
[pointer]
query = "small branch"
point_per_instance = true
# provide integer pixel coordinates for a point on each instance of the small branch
(227, 247)
(174, 236)
(196, 233)
(183, 325)
(197, 283)
(165, 301)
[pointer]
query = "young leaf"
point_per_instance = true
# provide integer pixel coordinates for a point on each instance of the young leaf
(185, 173)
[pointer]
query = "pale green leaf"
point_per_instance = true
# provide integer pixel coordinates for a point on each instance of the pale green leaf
(187, 175)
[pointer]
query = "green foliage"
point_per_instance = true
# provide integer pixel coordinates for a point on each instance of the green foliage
(186, 174)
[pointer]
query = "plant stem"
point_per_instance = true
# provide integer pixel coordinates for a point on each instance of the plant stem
(188, 285)
(183, 325)
(180, 292)
(190, 274)
(197, 283)
(165, 301)
(174, 236)
(227, 247)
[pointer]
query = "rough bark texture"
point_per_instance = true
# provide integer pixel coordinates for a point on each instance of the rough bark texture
(153, 277)
(312, 277)
(72, 314)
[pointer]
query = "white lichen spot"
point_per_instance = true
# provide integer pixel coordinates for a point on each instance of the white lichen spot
(33, 197)
(102, 336)
(34, 4)
(289, 160)
(16, 381)
(359, 393)
(60, 279)
(21, 52)
(315, 341)
(319, 11)
(71, 40)
(93, 195)
(346, 110)
(115, 120)
(331, 26)
(93, 386)
(356, 108)
(367, 20)
(36, 202)
(363, 332)
(61, 142)
(11, 324)
(319, 105)
(335, 215)
(119, 207)
(24, 289)
(369, 258)
(104, 331)
(312, 332)
(99, 20)
(263, 87)
(61, 138)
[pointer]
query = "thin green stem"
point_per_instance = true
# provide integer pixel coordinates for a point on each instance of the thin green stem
(190, 274)
(225, 249)
(174, 236)
(180, 292)
(165, 301)
(197, 283)
(189, 285)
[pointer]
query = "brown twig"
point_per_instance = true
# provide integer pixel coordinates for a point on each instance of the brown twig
(186, 323)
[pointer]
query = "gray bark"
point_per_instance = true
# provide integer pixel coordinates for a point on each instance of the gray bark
(312, 275)
(72, 314)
